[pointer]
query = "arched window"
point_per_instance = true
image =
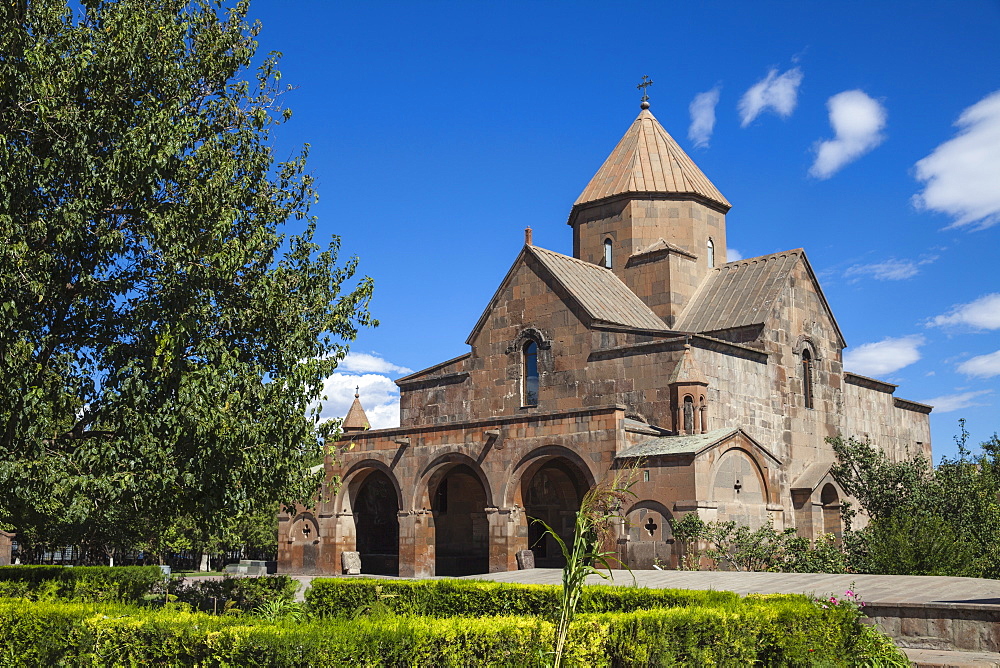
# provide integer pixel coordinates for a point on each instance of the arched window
(688, 414)
(711, 253)
(529, 382)
(807, 377)
(607, 253)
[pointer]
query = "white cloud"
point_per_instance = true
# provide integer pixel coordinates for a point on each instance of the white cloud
(732, 255)
(379, 398)
(955, 402)
(703, 117)
(857, 121)
(961, 175)
(777, 92)
(982, 366)
(885, 356)
(365, 363)
(888, 270)
(983, 313)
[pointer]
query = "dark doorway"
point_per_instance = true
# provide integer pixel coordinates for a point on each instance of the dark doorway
(376, 521)
(461, 529)
(552, 494)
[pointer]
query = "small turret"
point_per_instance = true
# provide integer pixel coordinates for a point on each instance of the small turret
(356, 420)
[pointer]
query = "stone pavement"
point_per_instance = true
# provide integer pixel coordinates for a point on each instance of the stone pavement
(882, 589)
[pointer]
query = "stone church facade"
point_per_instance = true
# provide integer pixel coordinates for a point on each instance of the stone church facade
(721, 380)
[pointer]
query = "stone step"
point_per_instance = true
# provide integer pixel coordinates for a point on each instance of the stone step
(938, 658)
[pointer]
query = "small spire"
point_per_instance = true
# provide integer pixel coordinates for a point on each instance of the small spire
(646, 82)
(357, 389)
(355, 420)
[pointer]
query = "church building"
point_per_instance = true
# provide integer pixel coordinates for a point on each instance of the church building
(719, 380)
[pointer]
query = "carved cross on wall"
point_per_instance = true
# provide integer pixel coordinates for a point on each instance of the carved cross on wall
(737, 486)
(306, 530)
(650, 526)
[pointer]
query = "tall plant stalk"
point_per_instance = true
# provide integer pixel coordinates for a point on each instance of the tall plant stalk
(599, 510)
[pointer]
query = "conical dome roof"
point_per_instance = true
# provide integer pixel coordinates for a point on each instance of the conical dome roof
(356, 420)
(649, 160)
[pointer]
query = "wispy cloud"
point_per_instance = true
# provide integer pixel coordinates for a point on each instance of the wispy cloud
(956, 402)
(885, 356)
(857, 121)
(777, 92)
(983, 313)
(888, 270)
(982, 366)
(703, 117)
(961, 175)
(732, 255)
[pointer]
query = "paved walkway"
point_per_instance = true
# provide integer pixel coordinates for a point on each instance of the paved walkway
(882, 589)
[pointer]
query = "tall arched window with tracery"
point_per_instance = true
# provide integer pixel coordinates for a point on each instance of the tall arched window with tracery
(529, 378)
(607, 253)
(807, 377)
(711, 253)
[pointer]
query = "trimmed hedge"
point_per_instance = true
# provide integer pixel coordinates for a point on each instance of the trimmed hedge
(773, 630)
(82, 583)
(338, 597)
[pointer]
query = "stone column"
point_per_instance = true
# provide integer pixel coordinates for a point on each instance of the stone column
(508, 534)
(416, 544)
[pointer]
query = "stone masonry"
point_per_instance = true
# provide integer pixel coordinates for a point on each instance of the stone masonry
(719, 381)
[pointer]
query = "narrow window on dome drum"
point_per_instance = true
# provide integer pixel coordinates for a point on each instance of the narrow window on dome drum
(711, 253)
(529, 388)
(607, 253)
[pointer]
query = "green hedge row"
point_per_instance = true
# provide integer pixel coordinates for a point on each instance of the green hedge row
(776, 631)
(83, 583)
(339, 597)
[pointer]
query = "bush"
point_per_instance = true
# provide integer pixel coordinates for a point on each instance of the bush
(336, 597)
(914, 543)
(244, 594)
(81, 583)
(775, 630)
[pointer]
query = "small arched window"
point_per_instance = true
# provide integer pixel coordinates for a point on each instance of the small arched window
(607, 253)
(529, 382)
(807, 377)
(688, 414)
(711, 253)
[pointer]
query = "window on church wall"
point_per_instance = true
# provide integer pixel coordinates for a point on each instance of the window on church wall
(607, 253)
(688, 414)
(711, 253)
(529, 382)
(807, 377)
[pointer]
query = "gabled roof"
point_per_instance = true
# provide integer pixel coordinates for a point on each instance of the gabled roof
(649, 160)
(693, 444)
(602, 296)
(663, 246)
(745, 292)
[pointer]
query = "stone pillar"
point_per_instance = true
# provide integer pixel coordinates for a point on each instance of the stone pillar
(508, 534)
(6, 546)
(416, 544)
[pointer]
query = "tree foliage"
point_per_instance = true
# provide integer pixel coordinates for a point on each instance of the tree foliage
(924, 520)
(161, 337)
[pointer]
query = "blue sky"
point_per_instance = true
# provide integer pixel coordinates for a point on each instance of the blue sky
(866, 133)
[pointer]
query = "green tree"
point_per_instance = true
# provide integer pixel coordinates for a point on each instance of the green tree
(925, 520)
(161, 337)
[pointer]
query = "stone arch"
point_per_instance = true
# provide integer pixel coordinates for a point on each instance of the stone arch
(304, 529)
(637, 526)
(458, 493)
(740, 488)
(830, 499)
(549, 484)
(369, 510)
